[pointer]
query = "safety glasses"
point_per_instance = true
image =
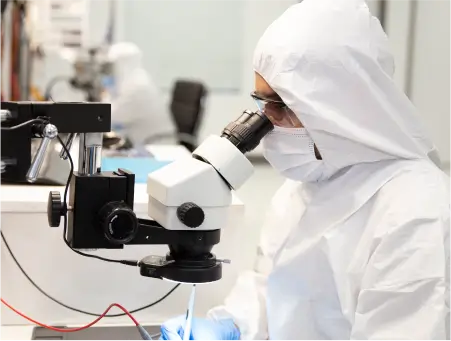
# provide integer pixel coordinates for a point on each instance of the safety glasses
(263, 101)
(277, 111)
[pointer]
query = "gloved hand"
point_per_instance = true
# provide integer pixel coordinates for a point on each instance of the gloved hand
(201, 329)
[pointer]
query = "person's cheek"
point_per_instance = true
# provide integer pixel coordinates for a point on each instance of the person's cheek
(275, 115)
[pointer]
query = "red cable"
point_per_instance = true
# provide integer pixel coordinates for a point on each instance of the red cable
(69, 330)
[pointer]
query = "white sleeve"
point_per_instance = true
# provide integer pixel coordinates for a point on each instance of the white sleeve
(246, 303)
(405, 289)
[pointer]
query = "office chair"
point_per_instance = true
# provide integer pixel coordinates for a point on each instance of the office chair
(187, 108)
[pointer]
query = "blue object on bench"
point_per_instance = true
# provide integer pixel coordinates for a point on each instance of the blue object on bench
(141, 166)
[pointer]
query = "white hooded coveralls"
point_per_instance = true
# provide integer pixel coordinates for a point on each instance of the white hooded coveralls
(138, 106)
(364, 254)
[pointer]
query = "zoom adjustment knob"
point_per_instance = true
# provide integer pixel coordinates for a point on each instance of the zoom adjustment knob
(118, 222)
(54, 209)
(190, 214)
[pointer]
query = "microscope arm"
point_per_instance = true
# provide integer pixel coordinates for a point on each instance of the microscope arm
(152, 233)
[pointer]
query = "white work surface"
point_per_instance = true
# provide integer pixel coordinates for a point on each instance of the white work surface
(91, 284)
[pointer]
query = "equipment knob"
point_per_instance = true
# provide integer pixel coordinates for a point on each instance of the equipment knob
(190, 214)
(119, 222)
(54, 209)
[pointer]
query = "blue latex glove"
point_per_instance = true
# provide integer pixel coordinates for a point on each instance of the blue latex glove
(201, 329)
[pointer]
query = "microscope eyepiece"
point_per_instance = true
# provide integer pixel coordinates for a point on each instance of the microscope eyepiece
(247, 131)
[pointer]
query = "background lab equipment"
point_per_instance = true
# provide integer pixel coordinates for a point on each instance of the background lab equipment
(91, 69)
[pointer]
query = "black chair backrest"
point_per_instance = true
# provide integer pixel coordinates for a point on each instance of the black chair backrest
(187, 105)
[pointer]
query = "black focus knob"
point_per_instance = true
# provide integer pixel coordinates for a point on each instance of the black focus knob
(119, 222)
(190, 214)
(54, 209)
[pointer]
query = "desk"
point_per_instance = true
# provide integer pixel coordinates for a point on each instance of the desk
(91, 284)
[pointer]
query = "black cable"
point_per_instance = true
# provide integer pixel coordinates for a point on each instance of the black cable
(71, 172)
(36, 120)
(72, 308)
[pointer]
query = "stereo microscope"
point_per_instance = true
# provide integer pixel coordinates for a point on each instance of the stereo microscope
(189, 199)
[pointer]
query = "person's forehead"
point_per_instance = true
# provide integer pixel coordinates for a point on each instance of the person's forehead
(263, 89)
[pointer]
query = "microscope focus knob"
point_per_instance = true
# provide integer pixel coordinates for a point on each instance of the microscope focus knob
(54, 209)
(119, 222)
(190, 214)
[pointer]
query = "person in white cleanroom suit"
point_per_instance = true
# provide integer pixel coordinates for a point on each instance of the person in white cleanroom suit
(357, 242)
(137, 108)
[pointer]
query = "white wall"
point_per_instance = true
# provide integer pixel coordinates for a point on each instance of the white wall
(430, 88)
(188, 39)
(397, 26)
(374, 6)
(421, 45)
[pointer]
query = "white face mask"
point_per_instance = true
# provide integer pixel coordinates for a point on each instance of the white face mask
(291, 151)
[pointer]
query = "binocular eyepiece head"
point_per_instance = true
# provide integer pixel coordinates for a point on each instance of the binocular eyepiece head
(247, 131)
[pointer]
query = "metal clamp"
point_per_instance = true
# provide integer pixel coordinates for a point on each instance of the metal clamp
(48, 133)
